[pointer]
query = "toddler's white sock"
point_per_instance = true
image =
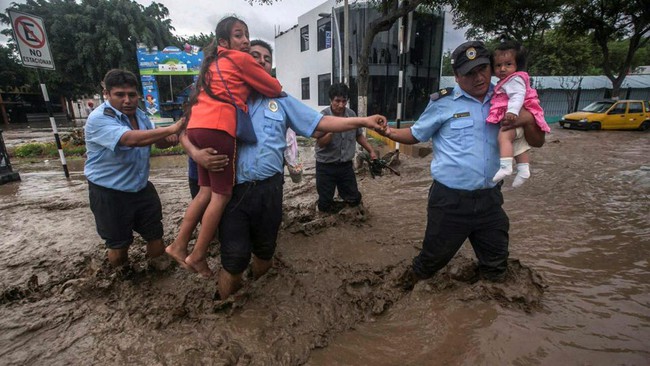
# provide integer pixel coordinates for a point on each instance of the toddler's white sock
(523, 173)
(505, 169)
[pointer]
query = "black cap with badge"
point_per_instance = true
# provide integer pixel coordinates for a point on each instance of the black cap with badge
(469, 55)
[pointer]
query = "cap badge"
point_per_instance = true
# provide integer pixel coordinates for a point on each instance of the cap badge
(471, 53)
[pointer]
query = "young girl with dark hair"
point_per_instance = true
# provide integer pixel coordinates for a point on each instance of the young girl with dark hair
(227, 72)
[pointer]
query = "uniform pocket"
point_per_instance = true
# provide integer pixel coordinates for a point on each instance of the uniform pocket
(126, 154)
(462, 132)
(273, 122)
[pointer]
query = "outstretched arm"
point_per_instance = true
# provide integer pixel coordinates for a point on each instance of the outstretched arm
(340, 124)
(401, 135)
(148, 137)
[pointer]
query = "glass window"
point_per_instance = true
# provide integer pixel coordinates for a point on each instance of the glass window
(304, 38)
(619, 108)
(305, 88)
(635, 107)
(324, 33)
(324, 82)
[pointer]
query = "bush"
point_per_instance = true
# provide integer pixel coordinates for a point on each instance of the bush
(48, 149)
(29, 150)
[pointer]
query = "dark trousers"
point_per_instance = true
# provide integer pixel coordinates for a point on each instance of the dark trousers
(454, 215)
(251, 222)
(332, 176)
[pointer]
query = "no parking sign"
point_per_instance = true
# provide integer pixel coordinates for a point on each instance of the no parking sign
(29, 34)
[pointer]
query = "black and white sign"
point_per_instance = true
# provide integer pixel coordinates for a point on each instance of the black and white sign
(29, 33)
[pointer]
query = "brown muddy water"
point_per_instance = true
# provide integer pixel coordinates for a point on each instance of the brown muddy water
(577, 292)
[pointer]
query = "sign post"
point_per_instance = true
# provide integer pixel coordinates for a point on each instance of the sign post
(29, 34)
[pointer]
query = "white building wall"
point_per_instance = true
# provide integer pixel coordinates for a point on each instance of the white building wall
(292, 65)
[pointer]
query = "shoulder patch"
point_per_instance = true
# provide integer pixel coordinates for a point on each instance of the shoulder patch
(110, 112)
(441, 93)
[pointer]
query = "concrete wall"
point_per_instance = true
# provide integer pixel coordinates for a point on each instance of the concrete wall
(292, 65)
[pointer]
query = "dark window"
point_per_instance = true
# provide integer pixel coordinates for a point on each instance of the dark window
(304, 38)
(619, 108)
(305, 88)
(324, 82)
(635, 107)
(324, 33)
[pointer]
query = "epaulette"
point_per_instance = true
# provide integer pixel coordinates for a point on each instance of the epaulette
(441, 93)
(282, 95)
(110, 112)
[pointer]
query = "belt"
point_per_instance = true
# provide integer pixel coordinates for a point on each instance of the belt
(336, 162)
(471, 194)
(277, 178)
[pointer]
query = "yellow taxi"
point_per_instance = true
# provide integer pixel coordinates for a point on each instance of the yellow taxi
(610, 115)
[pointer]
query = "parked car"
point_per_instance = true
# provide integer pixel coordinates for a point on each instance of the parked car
(610, 115)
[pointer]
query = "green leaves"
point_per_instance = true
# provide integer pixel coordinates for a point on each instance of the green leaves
(93, 36)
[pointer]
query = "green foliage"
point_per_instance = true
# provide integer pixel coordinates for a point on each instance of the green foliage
(12, 73)
(48, 149)
(174, 150)
(29, 150)
(90, 37)
(201, 40)
(607, 21)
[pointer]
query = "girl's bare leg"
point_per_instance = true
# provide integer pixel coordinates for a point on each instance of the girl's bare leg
(178, 249)
(209, 225)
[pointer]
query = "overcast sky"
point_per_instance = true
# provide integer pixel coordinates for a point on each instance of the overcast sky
(201, 16)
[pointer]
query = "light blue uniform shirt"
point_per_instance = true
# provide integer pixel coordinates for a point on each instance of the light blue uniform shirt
(109, 164)
(271, 117)
(465, 147)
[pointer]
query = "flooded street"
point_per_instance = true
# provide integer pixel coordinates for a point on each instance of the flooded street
(577, 291)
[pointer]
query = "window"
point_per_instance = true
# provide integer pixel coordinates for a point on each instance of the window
(618, 109)
(305, 88)
(304, 38)
(635, 107)
(324, 33)
(324, 82)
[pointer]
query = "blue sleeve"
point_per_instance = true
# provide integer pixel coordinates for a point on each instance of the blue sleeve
(104, 131)
(301, 118)
(428, 123)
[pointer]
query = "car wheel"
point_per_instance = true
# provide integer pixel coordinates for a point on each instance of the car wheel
(594, 126)
(645, 126)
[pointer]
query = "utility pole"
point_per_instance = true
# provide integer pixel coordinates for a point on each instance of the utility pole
(346, 43)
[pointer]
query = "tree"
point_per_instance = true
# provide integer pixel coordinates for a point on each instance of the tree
(391, 11)
(91, 37)
(525, 21)
(12, 73)
(562, 54)
(605, 21)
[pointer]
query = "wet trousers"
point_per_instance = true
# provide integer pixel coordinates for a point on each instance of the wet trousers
(455, 215)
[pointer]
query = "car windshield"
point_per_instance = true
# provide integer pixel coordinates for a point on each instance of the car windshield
(597, 107)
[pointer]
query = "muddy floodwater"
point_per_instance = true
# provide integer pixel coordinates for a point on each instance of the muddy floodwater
(577, 291)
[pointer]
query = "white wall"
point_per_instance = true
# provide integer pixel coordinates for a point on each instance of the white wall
(292, 65)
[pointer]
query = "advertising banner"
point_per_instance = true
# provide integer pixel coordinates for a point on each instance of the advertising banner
(170, 61)
(150, 95)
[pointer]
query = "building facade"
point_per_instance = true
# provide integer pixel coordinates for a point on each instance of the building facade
(309, 58)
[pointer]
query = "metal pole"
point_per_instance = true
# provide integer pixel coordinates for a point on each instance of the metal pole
(346, 43)
(400, 80)
(48, 105)
(171, 89)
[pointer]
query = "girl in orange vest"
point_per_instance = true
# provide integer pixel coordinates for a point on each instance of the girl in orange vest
(212, 123)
